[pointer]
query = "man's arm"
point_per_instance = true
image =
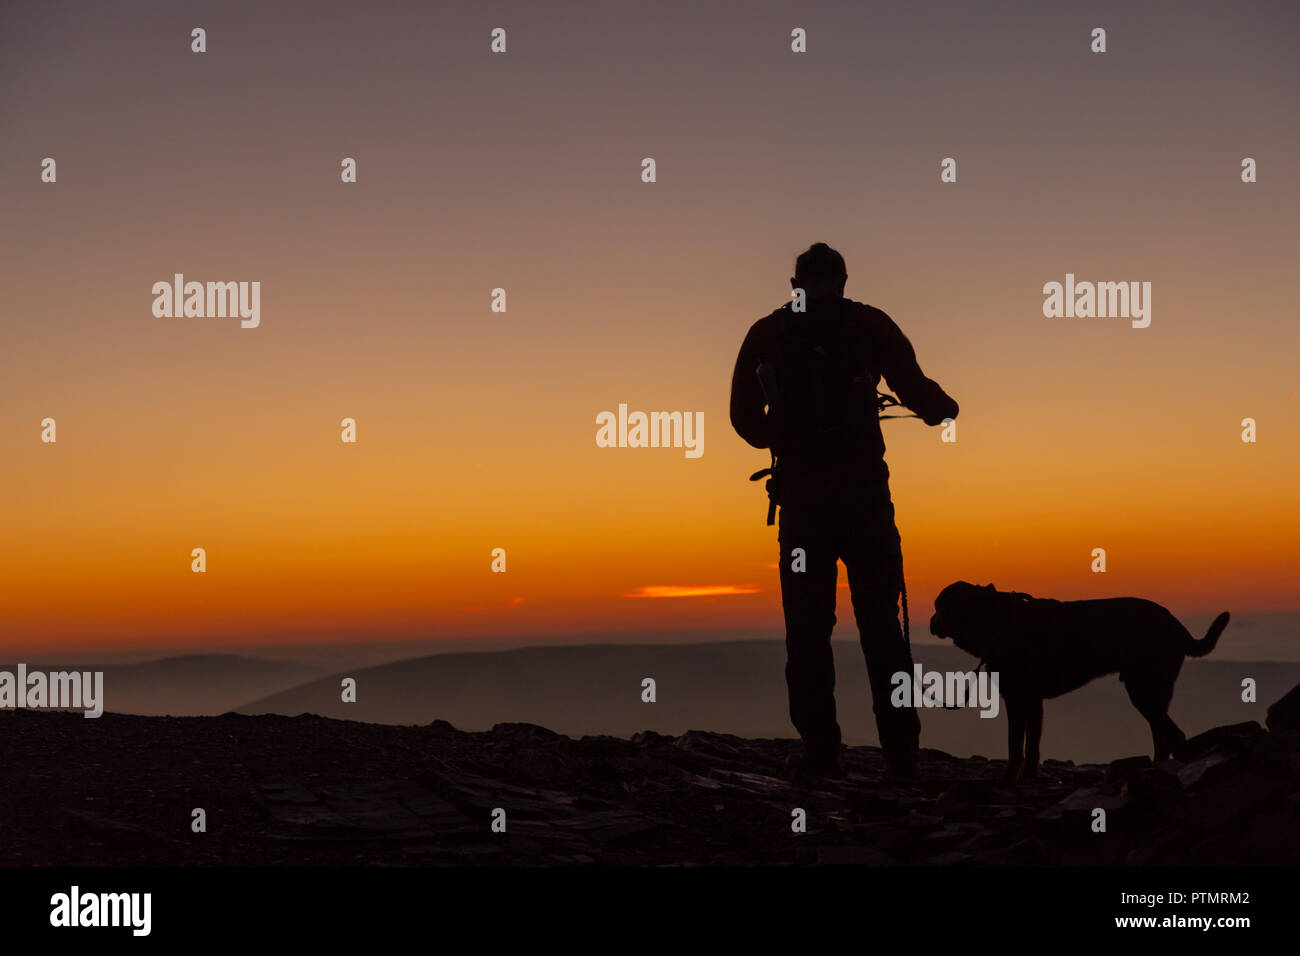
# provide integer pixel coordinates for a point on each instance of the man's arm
(906, 380)
(747, 403)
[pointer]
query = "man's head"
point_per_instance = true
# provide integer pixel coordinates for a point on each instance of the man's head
(819, 272)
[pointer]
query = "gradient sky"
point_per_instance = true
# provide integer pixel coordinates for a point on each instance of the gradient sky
(523, 171)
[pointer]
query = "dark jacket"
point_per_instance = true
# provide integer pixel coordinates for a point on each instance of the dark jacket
(885, 351)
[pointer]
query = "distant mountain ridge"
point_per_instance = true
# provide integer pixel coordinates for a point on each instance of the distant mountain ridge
(189, 685)
(738, 687)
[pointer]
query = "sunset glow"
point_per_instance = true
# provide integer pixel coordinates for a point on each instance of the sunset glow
(476, 430)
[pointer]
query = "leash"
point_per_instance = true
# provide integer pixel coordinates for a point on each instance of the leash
(902, 591)
(978, 668)
(885, 400)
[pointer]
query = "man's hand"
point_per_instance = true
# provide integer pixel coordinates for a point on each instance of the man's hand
(939, 421)
(941, 408)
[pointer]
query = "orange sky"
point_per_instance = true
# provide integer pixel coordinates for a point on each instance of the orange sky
(476, 429)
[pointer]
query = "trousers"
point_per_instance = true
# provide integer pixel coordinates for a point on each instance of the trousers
(857, 527)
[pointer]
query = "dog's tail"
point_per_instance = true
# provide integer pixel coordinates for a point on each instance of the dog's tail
(1206, 644)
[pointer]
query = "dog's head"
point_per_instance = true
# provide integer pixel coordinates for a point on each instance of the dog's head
(961, 613)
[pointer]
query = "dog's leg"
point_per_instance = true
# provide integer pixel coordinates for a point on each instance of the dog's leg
(1174, 736)
(1015, 740)
(1033, 734)
(1151, 704)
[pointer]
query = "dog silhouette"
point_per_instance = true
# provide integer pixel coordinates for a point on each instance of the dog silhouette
(1042, 648)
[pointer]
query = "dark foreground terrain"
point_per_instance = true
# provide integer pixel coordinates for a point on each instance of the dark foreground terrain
(308, 790)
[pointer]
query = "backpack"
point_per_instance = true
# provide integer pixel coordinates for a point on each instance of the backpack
(822, 402)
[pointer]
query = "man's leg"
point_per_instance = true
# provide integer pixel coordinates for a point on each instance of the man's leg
(808, 599)
(873, 556)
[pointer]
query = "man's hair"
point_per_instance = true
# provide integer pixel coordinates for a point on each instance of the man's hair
(820, 262)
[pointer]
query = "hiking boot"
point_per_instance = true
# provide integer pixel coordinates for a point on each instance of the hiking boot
(900, 755)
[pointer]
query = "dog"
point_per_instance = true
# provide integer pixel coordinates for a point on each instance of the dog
(1043, 648)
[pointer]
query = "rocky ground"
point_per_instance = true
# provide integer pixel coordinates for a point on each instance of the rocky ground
(311, 791)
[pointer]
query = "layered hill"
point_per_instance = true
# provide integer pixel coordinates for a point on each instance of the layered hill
(739, 688)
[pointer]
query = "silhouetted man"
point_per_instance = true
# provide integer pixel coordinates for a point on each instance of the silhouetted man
(804, 386)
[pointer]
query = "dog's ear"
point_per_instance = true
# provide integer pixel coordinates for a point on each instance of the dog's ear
(989, 587)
